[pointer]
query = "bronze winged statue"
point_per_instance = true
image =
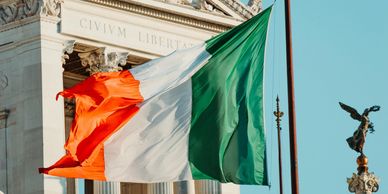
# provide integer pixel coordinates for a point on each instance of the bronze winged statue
(356, 142)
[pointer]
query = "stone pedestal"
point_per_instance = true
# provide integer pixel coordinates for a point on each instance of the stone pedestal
(366, 183)
(363, 182)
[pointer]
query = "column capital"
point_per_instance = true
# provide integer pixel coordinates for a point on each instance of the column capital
(93, 59)
(114, 61)
(68, 48)
(99, 60)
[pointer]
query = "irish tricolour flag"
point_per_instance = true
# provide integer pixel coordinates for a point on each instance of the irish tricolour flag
(194, 114)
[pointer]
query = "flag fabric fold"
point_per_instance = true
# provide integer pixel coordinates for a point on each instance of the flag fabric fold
(194, 114)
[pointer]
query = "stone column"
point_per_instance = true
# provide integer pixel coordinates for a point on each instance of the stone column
(160, 188)
(184, 187)
(363, 182)
(207, 187)
(102, 187)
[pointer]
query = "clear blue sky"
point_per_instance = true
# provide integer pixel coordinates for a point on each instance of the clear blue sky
(340, 54)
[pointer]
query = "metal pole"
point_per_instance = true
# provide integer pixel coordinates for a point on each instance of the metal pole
(291, 102)
(278, 115)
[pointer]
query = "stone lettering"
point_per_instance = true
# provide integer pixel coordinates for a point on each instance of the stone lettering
(102, 27)
(162, 41)
(122, 32)
(97, 25)
(83, 23)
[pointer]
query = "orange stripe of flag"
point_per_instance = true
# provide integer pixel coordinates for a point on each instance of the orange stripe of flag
(104, 103)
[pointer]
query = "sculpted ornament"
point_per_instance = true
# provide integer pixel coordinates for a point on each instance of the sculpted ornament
(96, 61)
(93, 60)
(19, 9)
(366, 183)
(197, 4)
(30, 7)
(114, 60)
(68, 49)
(255, 5)
(204, 5)
(8, 13)
(3, 81)
(51, 7)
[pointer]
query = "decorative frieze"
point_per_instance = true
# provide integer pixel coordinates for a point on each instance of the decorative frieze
(197, 4)
(13, 10)
(205, 5)
(8, 12)
(3, 81)
(30, 7)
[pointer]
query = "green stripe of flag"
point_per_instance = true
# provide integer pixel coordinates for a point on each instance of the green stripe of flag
(226, 140)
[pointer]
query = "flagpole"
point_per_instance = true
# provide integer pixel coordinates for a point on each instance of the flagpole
(291, 102)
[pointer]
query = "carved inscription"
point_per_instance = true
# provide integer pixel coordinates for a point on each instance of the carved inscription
(162, 42)
(123, 33)
(151, 39)
(102, 27)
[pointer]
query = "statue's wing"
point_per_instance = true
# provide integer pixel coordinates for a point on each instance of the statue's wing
(374, 108)
(353, 112)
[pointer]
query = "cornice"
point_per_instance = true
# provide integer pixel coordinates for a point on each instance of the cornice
(164, 15)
